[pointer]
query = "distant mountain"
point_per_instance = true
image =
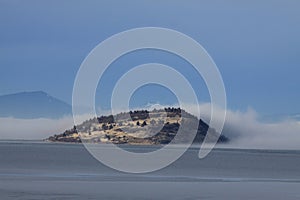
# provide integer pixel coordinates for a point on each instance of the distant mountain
(30, 105)
(136, 127)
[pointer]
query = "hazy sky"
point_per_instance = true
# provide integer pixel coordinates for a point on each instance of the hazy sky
(255, 44)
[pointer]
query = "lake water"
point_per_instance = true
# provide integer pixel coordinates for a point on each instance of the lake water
(38, 170)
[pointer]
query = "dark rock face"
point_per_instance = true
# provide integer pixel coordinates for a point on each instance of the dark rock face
(110, 131)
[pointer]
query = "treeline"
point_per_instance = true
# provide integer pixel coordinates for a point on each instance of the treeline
(139, 115)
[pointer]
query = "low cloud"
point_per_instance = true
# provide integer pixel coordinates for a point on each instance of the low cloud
(246, 130)
(243, 128)
(34, 129)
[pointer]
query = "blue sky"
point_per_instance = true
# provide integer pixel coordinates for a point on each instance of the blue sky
(255, 44)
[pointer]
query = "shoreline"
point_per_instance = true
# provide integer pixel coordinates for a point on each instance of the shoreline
(221, 147)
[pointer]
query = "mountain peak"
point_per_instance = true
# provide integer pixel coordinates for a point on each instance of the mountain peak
(32, 104)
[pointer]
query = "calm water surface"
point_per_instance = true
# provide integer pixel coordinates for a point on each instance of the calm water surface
(38, 170)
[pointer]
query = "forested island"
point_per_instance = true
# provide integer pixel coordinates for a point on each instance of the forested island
(158, 126)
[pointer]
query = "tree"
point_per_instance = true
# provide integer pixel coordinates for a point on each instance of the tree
(104, 127)
(144, 124)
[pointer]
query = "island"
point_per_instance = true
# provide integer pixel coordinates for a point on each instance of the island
(158, 126)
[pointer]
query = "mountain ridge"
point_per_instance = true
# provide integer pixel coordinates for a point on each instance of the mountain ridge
(33, 104)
